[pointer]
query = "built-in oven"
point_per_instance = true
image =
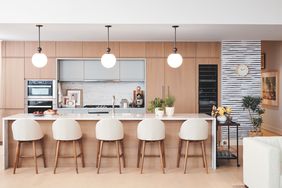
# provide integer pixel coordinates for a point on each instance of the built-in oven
(33, 105)
(36, 89)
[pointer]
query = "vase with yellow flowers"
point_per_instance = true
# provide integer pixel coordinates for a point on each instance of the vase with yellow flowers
(221, 113)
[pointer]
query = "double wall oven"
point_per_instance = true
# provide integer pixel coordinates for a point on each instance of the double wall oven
(40, 95)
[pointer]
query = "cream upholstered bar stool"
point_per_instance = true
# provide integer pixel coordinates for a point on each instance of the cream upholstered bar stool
(194, 130)
(110, 130)
(68, 130)
(28, 131)
(151, 130)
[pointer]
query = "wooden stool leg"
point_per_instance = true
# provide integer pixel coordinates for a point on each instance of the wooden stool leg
(186, 155)
(35, 156)
(138, 153)
(43, 153)
(205, 156)
(100, 155)
(179, 152)
(75, 155)
(143, 154)
(163, 148)
(81, 153)
(161, 155)
(57, 156)
(98, 150)
(17, 156)
(122, 153)
(118, 155)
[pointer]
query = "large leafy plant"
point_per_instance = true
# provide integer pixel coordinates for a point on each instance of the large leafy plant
(253, 105)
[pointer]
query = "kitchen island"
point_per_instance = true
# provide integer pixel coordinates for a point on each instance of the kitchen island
(130, 122)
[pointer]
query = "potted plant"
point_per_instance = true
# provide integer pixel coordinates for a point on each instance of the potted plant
(169, 105)
(221, 113)
(253, 105)
(157, 106)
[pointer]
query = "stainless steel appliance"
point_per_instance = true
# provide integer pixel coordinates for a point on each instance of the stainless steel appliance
(100, 109)
(41, 89)
(41, 105)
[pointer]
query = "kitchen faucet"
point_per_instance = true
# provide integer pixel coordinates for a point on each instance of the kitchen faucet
(113, 107)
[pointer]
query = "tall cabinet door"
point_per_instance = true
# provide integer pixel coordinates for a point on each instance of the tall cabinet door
(181, 84)
(154, 78)
(14, 82)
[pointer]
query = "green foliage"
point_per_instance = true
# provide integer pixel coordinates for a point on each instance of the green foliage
(169, 101)
(253, 104)
(156, 103)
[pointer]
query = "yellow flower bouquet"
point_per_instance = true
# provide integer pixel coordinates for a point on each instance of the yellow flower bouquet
(221, 111)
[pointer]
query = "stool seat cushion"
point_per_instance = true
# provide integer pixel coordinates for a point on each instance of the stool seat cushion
(194, 130)
(151, 130)
(66, 130)
(26, 130)
(109, 130)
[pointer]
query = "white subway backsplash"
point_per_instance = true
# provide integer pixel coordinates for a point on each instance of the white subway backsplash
(100, 93)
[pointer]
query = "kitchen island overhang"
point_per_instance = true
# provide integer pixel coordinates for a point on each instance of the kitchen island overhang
(172, 125)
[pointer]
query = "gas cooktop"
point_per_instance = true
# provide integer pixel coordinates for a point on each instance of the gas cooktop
(100, 106)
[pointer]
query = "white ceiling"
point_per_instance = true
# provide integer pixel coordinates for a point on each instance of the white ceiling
(141, 32)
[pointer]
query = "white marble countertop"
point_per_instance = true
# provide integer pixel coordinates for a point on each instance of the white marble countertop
(120, 116)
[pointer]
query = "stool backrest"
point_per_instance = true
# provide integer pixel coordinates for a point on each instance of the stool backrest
(194, 129)
(151, 129)
(26, 130)
(66, 129)
(109, 129)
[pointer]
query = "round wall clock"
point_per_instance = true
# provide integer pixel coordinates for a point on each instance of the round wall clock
(242, 70)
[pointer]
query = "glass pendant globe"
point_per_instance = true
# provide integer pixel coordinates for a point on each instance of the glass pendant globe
(108, 60)
(174, 60)
(39, 60)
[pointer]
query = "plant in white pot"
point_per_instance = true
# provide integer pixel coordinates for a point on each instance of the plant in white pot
(157, 106)
(169, 105)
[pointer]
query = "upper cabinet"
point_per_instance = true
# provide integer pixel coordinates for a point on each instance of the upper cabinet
(94, 70)
(208, 49)
(97, 49)
(132, 49)
(71, 70)
(132, 70)
(48, 48)
(69, 49)
(186, 49)
(14, 49)
(47, 72)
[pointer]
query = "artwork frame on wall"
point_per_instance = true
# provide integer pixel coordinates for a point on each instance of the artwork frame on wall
(262, 57)
(270, 88)
(75, 94)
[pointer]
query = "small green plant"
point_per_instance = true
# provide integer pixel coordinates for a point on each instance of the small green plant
(169, 101)
(253, 104)
(156, 103)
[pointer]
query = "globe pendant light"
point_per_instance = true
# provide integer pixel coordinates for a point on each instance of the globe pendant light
(39, 59)
(108, 60)
(174, 60)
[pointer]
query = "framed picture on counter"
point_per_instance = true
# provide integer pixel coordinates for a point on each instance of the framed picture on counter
(270, 88)
(76, 95)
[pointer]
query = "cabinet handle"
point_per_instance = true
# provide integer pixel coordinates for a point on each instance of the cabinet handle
(168, 91)
(163, 91)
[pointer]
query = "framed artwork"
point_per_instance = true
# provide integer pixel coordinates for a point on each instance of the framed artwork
(270, 88)
(262, 60)
(76, 95)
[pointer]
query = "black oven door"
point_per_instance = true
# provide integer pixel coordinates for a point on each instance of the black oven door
(39, 105)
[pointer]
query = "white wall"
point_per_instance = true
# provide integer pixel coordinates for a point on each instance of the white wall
(142, 11)
(273, 115)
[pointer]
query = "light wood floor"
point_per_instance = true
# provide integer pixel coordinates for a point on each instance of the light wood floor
(226, 176)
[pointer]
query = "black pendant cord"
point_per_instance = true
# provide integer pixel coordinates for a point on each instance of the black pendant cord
(175, 49)
(108, 48)
(39, 49)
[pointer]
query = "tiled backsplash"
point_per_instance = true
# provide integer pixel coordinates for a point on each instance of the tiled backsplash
(101, 93)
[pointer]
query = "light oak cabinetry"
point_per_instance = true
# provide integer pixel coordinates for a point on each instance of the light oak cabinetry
(14, 49)
(14, 82)
(69, 49)
(97, 49)
(132, 49)
(48, 48)
(186, 49)
(47, 72)
(154, 49)
(208, 49)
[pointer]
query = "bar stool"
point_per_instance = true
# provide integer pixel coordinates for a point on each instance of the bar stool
(194, 130)
(68, 130)
(151, 130)
(27, 130)
(109, 130)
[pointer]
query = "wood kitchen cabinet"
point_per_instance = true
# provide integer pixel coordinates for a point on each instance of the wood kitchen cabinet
(154, 49)
(132, 49)
(47, 72)
(48, 48)
(14, 49)
(97, 49)
(186, 49)
(14, 82)
(208, 49)
(69, 49)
